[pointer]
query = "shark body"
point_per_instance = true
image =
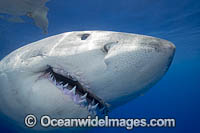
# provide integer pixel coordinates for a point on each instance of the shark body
(76, 74)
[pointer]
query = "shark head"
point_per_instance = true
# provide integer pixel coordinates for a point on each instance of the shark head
(76, 74)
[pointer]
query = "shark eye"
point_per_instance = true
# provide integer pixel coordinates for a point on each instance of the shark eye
(108, 46)
(85, 36)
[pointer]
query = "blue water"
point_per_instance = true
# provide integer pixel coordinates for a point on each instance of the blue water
(176, 95)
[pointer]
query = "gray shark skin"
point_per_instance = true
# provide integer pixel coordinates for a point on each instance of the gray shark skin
(76, 74)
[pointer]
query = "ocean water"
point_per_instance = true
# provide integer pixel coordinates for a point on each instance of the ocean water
(176, 95)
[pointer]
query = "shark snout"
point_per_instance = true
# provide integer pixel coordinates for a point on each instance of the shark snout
(136, 66)
(159, 45)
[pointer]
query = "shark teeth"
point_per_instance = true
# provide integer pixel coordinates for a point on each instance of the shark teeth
(78, 99)
(83, 103)
(72, 91)
(94, 107)
(51, 77)
(84, 96)
(93, 102)
(60, 86)
(54, 81)
(102, 109)
(65, 86)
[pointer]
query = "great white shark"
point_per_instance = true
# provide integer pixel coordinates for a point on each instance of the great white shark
(76, 74)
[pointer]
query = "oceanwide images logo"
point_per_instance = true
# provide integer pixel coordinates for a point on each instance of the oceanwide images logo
(30, 121)
(46, 121)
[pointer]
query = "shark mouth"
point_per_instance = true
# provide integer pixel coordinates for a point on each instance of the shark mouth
(80, 95)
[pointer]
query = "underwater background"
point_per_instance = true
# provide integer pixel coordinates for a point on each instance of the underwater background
(176, 95)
